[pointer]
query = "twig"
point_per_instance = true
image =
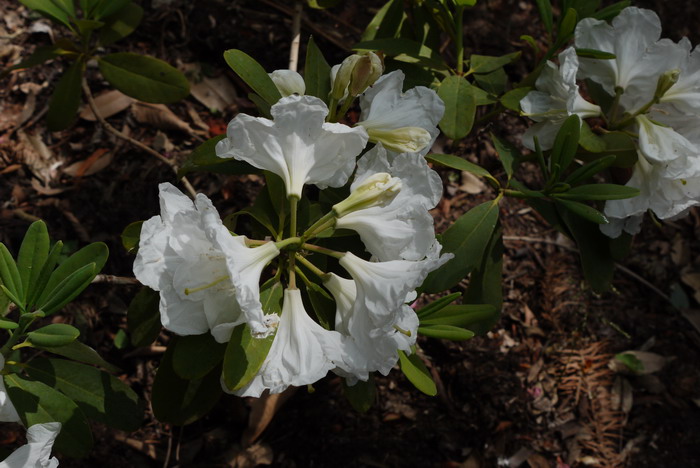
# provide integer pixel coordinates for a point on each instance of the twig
(111, 279)
(296, 36)
(118, 134)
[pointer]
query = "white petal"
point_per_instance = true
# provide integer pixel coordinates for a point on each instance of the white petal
(666, 146)
(36, 453)
(8, 413)
(298, 145)
(301, 353)
(288, 82)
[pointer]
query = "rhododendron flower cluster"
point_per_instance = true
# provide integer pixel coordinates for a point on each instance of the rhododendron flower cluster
(209, 278)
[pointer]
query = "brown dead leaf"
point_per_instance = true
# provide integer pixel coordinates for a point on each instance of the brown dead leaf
(537, 461)
(97, 161)
(621, 396)
(34, 153)
(159, 116)
(692, 279)
(262, 410)
(108, 104)
(650, 362)
(471, 184)
(255, 455)
(217, 94)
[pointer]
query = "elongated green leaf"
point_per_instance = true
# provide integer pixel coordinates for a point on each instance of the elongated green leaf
(415, 371)
(483, 64)
(545, 8)
(180, 401)
(121, 24)
(56, 334)
(64, 103)
(322, 303)
(143, 317)
(244, 353)
(9, 274)
(461, 164)
(361, 395)
(45, 273)
(317, 72)
(131, 235)
(204, 158)
(476, 317)
(32, 256)
(486, 284)
(80, 352)
(622, 146)
(38, 403)
(8, 325)
(589, 170)
(144, 78)
(50, 10)
(405, 50)
(494, 82)
(566, 27)
(446, 332)
(68, 289)
(460, 107)
(594, 54)
(386, 22)
(196, 355)
(584, 211)
(101, 396)
(507, 153)
(566, 143)
(96, 253)
(467, 239)
(436, 306)
(253, 74)
(611, 11)
(599, 192)
(105, 8)
(511, 99)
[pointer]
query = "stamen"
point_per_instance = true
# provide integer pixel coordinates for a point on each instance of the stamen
(189, 291)
(402, 331)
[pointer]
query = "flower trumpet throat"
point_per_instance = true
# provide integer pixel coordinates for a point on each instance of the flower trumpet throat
(401, 140)
(377, 190)
(189, 291)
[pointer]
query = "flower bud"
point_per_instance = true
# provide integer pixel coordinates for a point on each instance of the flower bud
(377, 190)
(340, 77)
(666, 82)
(366, 71)
(401, 140)
(288, 82)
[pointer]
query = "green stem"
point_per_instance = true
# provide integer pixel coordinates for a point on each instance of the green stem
(311, 267)
(332, 109)
(287, 242)
(345, 107)
(518, 194)
(24, 321)
(459, 38)
(323, 250)
(321, 225)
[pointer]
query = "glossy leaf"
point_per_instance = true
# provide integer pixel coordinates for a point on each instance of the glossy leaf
(196, 355)
(317, 72)
(566, 143)
(478, 318)
(144, 78)
(405, 50)
(56, 334)
(590, 169)
(446, 332)
(437, 305)
(611, 11)
(80, 352)
(511, 99)
(507, 153)
(9, 274)
(622, 146)
(589, 140)
(461, 164)
(68, 289)
(100, 396)
(486, 64)
(386, 22)
(8, 324)
(467, 239)
(49, 9)
(32, 255)
(486, 284)
(45, 273)
(105, 8)
(460, 107)
(131, 235)
(121, 24)
(38, 403)
(494, 82)
(361, 395)
(253, 74)
(545, 7)
(64, 103)
(584, 211)
(415, 371)
(143, 317)
(594, 54)
(599, 192)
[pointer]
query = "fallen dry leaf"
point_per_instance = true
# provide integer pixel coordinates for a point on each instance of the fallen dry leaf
(217, 94)
(159, 116)
(255, 455)
(108, 104)
(97, 161)
(471, 184)
(650, 362)
(692, 279)
(262, 410)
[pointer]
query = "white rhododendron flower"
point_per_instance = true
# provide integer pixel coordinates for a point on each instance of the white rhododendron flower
(402, 122)
(207, 278)
(302, 351)
(297, 145)
(36, 453)
(288, 82)
(403, 227)
(8, 412)
(556, 98)
(676, 155)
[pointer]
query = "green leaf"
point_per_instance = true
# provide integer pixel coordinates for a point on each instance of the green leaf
(361, 395)
(41, 54)
(9, 274)
(611, 11)
(486, 64)
(131, 235)
(405, 50)
(507, 153)
(632, 362)
(50, 10)
(105, 8)
(86, 26)
(253, 74)
(566, 27)
(478, 318)
(461, 164)
(599, 192)
(244, 353)
(45, 273)
(460, 107)
(589, 140)
(56, 334)
(317, 72)
(323, 304)
(511, 99)
(96, 253)
(8, 324)
(446, 332)
(594, 54)
(80, 352)
(204, 158)
(121, 24)
(622, 146)
(584, 211)
(196, 355)
(565, 143)
(437, 305)
(465, 2)
(467, 239)
(486, 283)
(144, 78)
(322, 4)
(180, 401)
(38, 403)
(68, 289)
(100, 396)
(143, 317)
(121, 339)
(415, 371)
(545, 8)
(494, 83)
(32, 256)
(386, 22)
(64, 103)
